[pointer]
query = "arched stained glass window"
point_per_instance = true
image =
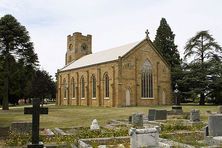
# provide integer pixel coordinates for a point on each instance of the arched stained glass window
(147, 80)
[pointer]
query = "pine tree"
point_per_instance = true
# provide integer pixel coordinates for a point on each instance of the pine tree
(14, 43)
(164, 42)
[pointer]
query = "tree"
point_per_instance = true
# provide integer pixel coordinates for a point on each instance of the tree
(215, 79)
(164, 41)
(14, 43)
(202, 47)
(42, 85)
(1, 79)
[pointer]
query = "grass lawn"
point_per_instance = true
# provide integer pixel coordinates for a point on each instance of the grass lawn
(69, 116)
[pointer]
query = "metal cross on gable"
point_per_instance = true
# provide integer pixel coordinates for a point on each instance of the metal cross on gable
(147, 34)
(36, 110)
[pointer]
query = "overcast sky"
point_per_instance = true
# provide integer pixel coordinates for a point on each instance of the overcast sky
(110, 22)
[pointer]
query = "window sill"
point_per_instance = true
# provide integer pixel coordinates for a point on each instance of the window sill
(147, 98)
(93, 98)
(82, 98)
(73, 98)
(106, 98)
(65, 98)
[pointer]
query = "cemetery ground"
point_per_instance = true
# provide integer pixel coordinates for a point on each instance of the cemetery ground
(66, 117)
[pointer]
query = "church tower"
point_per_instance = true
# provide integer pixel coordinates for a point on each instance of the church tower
(78, 46)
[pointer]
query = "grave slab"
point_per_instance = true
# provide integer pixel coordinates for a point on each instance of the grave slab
(144, 137)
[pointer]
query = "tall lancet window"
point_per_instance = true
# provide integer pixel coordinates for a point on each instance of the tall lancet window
(64, 88)
(82, 88)
(147, 80)
(93, 86)
(73, 88)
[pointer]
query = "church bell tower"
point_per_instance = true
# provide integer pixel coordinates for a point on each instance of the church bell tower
(78, 46)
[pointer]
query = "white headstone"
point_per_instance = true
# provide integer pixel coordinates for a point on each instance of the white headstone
(148, 137)
(94, 125)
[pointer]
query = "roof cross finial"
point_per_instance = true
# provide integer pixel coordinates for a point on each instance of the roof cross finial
(147, 34)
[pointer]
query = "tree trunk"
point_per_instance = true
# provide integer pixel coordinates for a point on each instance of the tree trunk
(6, 91)
(202, 99)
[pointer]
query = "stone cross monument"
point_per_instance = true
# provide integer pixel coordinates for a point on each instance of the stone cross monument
(36, 110)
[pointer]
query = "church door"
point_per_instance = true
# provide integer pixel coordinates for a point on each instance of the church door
(163, 97)
(127, 97)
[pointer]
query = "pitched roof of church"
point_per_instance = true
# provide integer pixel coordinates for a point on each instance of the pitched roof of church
(101, 57)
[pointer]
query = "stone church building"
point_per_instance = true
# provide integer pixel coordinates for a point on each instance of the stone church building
(130, 75)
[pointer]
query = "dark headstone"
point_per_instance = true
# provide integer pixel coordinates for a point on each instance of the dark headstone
(154, 114)
(36, 110)
(161, 115)
(130, 119)
(151, 114)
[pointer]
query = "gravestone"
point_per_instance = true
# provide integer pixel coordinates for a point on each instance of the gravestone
(21, 127)
(148, 137)
(137, 120)
(161, 114)
(215, 125)
(130, 119)
(195, 115)
(151, 114)
(213, 132)
(36, 110)
(177, 109)
(154, 114)
(94, 125)
(220, 109)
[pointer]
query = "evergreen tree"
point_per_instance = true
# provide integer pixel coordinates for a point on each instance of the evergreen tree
(164, 42)
(215, 80)
(203, 48)
(42, 85)
(15, 45)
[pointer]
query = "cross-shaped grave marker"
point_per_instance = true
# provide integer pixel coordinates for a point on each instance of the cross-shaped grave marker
(35, 110)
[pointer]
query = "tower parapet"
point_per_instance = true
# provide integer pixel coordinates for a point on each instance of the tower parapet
(78, 46)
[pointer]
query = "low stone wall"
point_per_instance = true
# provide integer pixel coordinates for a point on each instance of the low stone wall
(21, 127)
